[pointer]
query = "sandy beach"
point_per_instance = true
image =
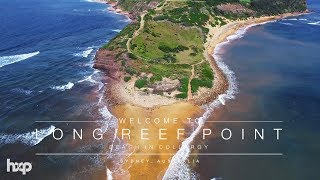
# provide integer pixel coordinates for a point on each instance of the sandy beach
(154, 165)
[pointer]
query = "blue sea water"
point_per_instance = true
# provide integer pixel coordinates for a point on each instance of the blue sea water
(46, 74)
(277, 69)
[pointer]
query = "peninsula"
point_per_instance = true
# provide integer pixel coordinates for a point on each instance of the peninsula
(161, 64)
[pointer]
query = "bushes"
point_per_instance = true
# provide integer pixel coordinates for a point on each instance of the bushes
(132, 56)
(196, 83)
(271, 7)
(184, 84)
(131, 71)
(183, 88)
(169, 58)
(168, 49)
(160, 18)
(140, 83)
(182, 95)
(207, 72)
(127, 78)
(164, 48)
(155, 78)
(132, 46)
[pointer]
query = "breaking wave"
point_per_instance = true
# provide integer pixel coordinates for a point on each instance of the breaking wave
(284, 23)
(6, 60)
(84, 53)
(116, 30)
(295, 19)
(315, 23)
(30, 138)
(63, 87)
(91, 79)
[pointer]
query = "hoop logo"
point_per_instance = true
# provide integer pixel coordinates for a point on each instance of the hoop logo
(23, 167)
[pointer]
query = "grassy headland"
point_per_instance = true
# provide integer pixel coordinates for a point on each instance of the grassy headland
(161, 52)
(161, 64)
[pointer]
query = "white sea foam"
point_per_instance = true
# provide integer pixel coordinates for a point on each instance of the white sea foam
(315, 23)
(178, 168)
(216, 178)
(6, 60)
(29, 138)
(107, 116)
(84, 53)
(284, 23)
(116, 30)
(90, 79)
(295, 19)
(63, 87)
(93, 1)
(109, 174)
(126, 20)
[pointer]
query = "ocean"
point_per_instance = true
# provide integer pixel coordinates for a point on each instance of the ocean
(276, 69)
(46, 57)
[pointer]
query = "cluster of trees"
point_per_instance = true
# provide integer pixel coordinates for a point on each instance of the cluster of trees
(168, 49)
(271, 7)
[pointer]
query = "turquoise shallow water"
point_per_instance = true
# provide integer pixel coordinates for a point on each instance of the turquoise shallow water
(277, 70)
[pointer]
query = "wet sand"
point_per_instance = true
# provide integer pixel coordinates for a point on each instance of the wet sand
(160, 158)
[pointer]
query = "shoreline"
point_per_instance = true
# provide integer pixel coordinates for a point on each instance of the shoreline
(218, 36)
(193, 108)
(114, 8)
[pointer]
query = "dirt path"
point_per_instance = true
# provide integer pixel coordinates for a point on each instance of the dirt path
(189, 85)
(161, 7)
(137, 32)
(190, 78)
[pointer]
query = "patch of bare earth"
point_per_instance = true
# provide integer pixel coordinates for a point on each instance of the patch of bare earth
(234, 8)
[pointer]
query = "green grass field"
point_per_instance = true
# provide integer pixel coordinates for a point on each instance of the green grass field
(156, 35)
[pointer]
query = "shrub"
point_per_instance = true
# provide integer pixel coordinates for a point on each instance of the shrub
(140, 83)
(155, 78)
(184, 84)
(159, 18)
(127, 78)
(132, 56)
(196, 83)
(131, 71)
(177, 49)
(182, 95)
(207, 72)
(123, 63)
(169, 58)
(132, 46)
(164, 48)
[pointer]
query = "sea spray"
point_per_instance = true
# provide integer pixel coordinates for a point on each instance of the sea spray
(85, 53)
(6, 60)
(30, 138)
(63, 87)
(109, 174)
